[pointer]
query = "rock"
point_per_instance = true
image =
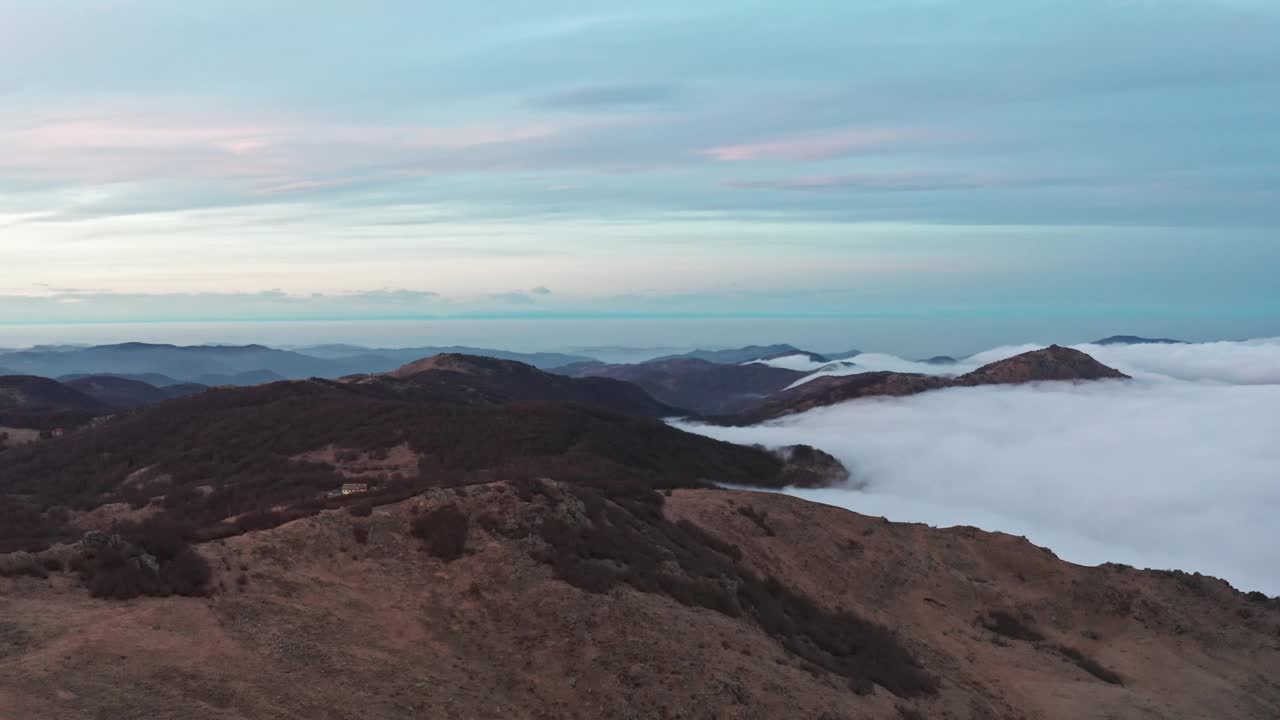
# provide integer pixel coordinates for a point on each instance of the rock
(97, 540)
(145, 561)
(807, 466)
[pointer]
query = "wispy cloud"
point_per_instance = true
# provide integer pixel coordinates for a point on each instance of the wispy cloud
(608, 97)
(826, 145)
(331, 146)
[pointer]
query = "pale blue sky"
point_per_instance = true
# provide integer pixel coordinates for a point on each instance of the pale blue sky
(1068, 164)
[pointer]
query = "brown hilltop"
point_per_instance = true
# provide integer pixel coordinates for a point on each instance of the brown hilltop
(476, 380)
(466, 364)
(539, 599)
(1053, 363)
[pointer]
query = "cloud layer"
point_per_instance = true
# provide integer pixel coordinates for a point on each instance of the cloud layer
(1157, 472)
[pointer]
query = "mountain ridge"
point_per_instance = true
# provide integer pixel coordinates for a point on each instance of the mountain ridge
(1053, 363)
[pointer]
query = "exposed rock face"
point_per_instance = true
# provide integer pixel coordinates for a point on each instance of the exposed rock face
(555, 600)
(1051, 363)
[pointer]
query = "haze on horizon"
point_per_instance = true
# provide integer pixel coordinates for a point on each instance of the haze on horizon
(997, 173)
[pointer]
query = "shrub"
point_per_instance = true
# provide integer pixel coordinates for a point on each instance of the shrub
(443, 532)
(112, 572)
(187, 574)
(360, 533)
(761, 519)
(22, 564)
(165, 565)
(362, 510)
(1090, 665)
(1004, 623)
(625, 539)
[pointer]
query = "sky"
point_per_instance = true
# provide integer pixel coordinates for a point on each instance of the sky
(886, 173)
(1175, 469)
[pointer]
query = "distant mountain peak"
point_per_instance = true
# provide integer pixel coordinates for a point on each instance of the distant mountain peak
(466, 364)
(1136, 340)
(811, 356)
(737, 355)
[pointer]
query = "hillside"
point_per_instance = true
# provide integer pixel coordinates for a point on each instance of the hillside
(207, 364)
(119, 393)
(704, 387)
(1053, 363)
(474, 380)
(155, 379)
(536, 599)
(35, 395)
(233, 459)
(42, 404)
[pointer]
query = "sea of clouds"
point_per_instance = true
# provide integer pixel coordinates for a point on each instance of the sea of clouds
(1178, 468)
(1250, 362)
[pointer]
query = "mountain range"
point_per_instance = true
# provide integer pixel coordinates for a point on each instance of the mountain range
(159, 364)
(743, 393)
(523, 544)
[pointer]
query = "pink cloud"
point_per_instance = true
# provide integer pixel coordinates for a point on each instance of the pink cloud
(901, 182)
(273, 153)
(824, 146)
